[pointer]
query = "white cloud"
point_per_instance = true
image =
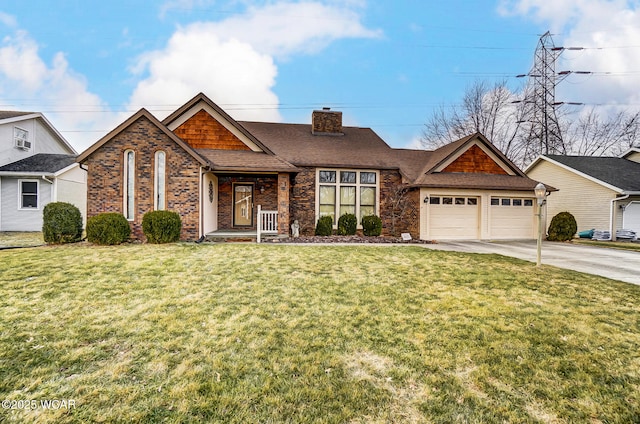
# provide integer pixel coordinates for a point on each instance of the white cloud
(31, 84)
(609, 29)
(229, 72)
(8, 20)
(285, 28)
(234, 61)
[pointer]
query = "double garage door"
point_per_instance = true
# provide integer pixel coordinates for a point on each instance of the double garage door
(456, 217)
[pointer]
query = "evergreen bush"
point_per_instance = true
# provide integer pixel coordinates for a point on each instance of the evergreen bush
(161, 226)
(324, 227)
(563, 227)
(108, 228)
(347, 224)
(371, 225)
(61, 223)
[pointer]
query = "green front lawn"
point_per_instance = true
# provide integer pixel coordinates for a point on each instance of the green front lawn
(240, 333)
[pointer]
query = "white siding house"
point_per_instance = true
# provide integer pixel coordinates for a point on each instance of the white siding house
(602, 193)
(37, 166)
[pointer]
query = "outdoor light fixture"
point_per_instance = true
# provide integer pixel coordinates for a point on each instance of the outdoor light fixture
(541, 193)
(426, 199)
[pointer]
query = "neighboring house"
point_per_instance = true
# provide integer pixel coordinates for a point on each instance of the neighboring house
(37, 166)
(215, 171)
(602, 193)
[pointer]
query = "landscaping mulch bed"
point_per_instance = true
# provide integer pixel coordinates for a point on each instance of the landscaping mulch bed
(346, 239)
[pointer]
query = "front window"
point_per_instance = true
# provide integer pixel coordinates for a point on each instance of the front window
(347, 191)
(160, 173)
(28, 194)
(129, 184)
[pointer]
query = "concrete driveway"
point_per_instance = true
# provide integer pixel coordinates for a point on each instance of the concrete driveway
(616, 264)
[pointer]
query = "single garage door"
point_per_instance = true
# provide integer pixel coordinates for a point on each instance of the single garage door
(453, 217)
(631, 217)
(512, 218)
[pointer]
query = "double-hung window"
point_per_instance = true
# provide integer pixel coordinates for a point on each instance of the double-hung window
(347, 191)
(28, 194)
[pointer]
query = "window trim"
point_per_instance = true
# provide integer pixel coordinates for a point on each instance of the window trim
(21, 195)
(129, 199)
(338, 184)
(156, 182)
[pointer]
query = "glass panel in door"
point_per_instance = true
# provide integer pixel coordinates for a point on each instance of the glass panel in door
(243, 205)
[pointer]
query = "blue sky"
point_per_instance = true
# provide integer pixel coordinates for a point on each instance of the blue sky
(88, 64)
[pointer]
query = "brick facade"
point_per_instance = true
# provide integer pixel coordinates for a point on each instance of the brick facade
(106, 172)
(268, 199)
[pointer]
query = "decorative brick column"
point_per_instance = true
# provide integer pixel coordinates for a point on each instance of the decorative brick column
(283, 204)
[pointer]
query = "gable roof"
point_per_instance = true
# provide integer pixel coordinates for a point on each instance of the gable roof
(202, 98)
(617, 173)
(9, 116)
(431, 175)
(41, 163)
(146, 114)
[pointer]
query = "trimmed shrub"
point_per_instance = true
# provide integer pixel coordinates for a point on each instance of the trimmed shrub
(108, 228)
(61, 223)
(161, 226)
(563, 227)
(371, 225)
(324, 227)
(347, 224)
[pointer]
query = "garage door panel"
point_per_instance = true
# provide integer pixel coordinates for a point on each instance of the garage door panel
(631, 217)
(512, 218)
(453, 221)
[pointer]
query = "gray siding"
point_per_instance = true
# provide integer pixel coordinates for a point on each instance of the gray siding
(12, 218)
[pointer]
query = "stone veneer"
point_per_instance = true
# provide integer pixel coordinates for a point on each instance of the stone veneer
(302, 203)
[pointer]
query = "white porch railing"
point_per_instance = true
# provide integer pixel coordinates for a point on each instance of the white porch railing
(267, 223)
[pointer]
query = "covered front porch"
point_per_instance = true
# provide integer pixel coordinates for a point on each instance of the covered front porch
(249, 207)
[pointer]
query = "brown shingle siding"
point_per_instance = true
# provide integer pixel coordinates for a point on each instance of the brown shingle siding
(202, 131)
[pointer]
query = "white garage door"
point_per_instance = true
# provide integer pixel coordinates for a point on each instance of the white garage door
(512, 218)
(453, 217)
(631, 217)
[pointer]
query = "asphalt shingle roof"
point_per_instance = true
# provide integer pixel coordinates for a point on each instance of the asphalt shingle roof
(42, 162)
(618, 172)
(6, 114)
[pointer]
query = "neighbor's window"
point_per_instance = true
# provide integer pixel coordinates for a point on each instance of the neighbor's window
(29, 194)
(160, 175)
(129, 184)
(347, 191)
(21, 138)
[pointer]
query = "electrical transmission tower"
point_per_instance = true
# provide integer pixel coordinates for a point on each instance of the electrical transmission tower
(545, 135)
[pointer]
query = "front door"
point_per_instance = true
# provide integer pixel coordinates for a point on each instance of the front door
(243, 205)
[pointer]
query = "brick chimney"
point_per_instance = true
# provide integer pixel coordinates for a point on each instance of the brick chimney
(326, 122)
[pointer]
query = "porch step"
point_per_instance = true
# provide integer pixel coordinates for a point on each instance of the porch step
(235, 236)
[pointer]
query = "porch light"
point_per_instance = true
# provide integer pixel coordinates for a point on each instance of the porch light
(541, 193)
(426, 199)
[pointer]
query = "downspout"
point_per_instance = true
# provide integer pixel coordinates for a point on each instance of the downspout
(201, 211)
(54, 197)
(611, 217)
